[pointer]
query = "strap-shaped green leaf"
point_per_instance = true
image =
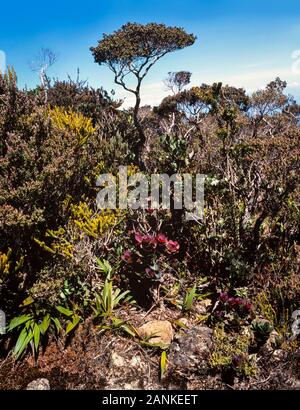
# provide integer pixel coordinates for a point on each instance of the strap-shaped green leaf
(64, 311)
(17, 321)
(36, 336)
(73, 324)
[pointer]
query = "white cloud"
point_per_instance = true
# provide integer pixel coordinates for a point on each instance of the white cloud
(151, 94)
(294, 85)
(254, 79)
(254, 65)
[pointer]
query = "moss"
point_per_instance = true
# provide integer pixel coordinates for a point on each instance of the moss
(231, 352)
(264, 303)
(264, 307)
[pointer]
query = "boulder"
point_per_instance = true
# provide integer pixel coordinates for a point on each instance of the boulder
(157, 332)
(190, 350)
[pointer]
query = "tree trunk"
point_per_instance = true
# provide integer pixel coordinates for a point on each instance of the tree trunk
(43, 79)
(139, 145)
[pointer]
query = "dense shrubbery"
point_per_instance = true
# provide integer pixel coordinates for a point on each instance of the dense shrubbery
(51, 233)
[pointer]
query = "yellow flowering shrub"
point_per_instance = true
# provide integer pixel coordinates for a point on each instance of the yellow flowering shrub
(94, 224)
(59, 245)
(83, 221)
(132, 170)
(76, 123)
(7, 266)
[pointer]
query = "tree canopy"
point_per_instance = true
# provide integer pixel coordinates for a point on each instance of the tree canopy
(136, 47)
(176, 81)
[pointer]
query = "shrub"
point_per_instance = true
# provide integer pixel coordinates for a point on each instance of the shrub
(71, 122)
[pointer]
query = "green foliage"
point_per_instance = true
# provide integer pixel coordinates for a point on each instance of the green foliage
(72, 316)
(261, 329)
(163, 363)
(36, 323)
(189, 299)
(110, 298)
(173, 153)
(138, 44)
(33, 326)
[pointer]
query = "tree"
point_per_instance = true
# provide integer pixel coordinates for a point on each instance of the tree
(176, 81)
(266, 103)
(132, 51)
(42, 62)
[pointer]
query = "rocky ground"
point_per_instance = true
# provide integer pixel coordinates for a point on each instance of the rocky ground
(99, 359)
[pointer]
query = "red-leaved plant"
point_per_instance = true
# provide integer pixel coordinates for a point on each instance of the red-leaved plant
(148, 251)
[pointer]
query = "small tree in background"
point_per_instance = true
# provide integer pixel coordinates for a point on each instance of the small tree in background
(176, 81)
(133, 50)
(42, 62)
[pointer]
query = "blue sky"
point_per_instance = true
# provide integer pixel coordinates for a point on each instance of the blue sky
(240, 42)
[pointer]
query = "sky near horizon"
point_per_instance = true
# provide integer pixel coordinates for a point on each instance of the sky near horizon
(241, 43)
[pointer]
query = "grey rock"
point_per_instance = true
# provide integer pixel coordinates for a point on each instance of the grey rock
(190, 349)
(2, 323)
(128, 371)
(39, 384)
(296, 323)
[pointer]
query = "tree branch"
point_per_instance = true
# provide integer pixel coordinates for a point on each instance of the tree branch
(119, 78)
(152, 64)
